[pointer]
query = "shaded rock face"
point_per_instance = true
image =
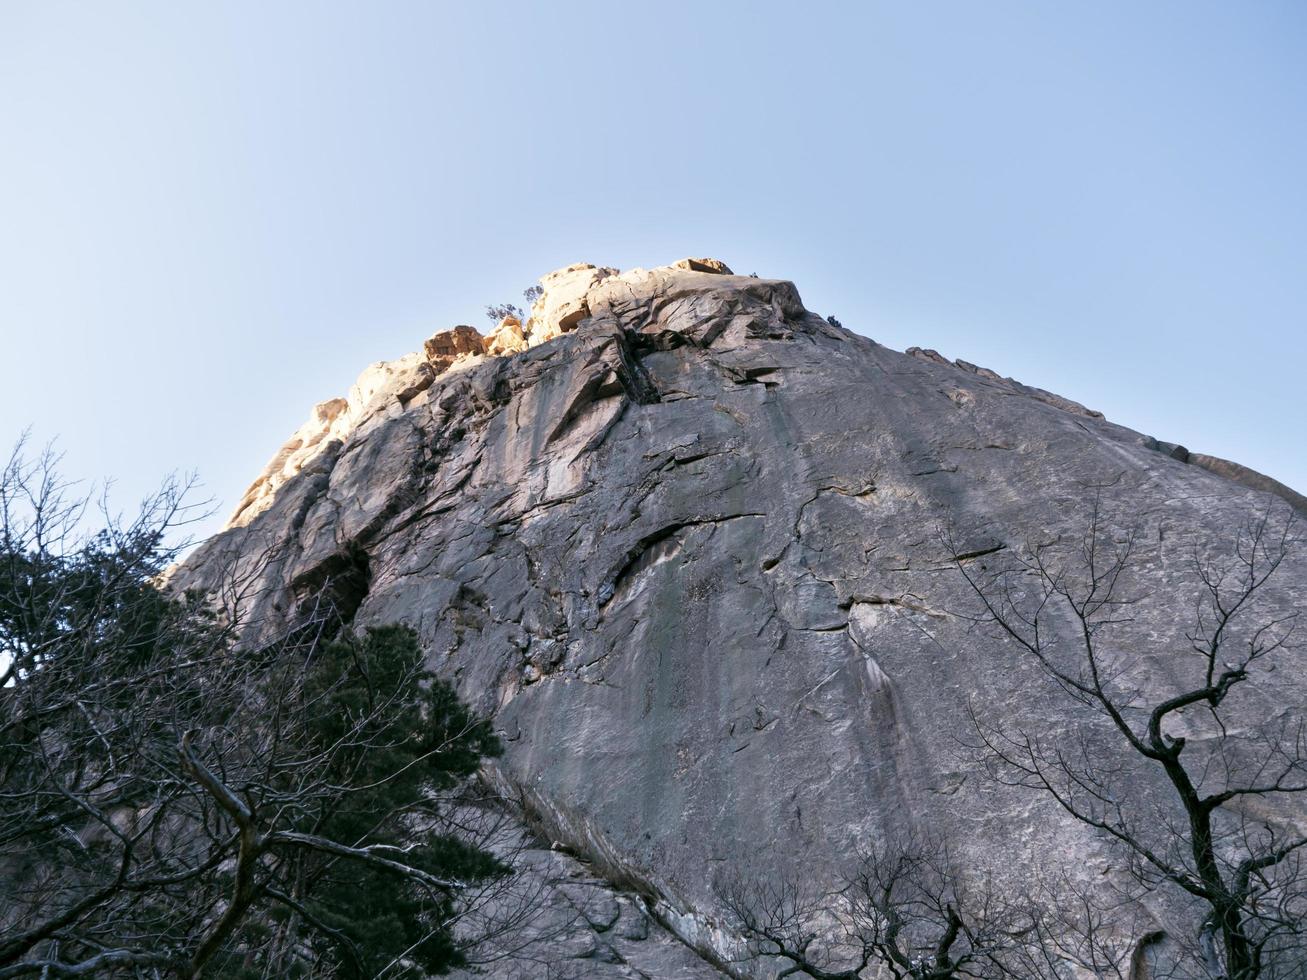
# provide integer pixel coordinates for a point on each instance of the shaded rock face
(580, 926)
(680, 537)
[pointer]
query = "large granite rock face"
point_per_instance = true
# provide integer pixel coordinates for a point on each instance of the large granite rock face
(680, 536)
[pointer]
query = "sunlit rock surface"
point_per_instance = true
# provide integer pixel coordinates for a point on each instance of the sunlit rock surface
(681, 537)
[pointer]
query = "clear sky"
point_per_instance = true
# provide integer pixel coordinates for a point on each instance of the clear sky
(214, 215)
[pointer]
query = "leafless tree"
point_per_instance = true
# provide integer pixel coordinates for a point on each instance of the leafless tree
(1204, 797)
(172, 802)
(1077, 929)
(903, 910)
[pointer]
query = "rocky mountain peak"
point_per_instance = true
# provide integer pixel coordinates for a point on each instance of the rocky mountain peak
(684, 541)
(386, 387)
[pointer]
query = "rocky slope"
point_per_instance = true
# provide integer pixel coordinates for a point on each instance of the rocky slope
(680, 536)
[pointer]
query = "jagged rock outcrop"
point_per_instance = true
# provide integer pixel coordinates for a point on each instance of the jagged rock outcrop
(679, 535)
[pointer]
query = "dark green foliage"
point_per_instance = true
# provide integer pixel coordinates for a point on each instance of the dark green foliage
(409, 735)
(194, 805)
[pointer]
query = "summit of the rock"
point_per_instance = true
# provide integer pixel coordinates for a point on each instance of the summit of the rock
(569, 295)
(680, 537)
(674, 300)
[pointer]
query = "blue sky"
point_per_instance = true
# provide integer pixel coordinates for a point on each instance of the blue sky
(214, 215)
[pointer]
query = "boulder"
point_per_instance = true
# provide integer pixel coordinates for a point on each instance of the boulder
(508, 338)
(713, 266)
(563, 304)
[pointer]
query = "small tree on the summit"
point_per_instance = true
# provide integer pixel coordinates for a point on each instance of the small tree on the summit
(496, 313)
(500, 312)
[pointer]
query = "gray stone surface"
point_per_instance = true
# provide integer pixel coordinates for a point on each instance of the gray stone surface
(685, 549)
(556, 919)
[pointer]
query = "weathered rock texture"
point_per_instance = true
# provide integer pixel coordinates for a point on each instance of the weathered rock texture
(680, 536)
